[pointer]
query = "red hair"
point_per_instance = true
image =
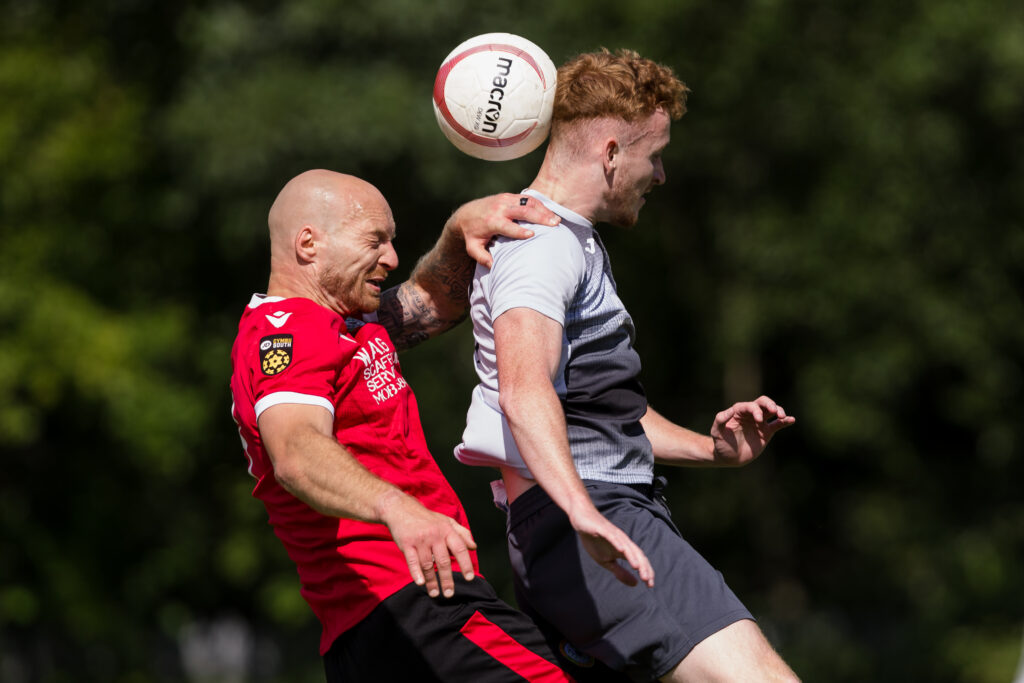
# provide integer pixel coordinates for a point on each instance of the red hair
(620, 85)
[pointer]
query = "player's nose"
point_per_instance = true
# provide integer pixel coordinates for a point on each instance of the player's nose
(388, 257)
(659, 173)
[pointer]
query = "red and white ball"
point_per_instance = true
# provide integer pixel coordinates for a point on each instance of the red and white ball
(493, 96)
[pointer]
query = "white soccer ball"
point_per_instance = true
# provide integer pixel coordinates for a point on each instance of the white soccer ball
(493, 96)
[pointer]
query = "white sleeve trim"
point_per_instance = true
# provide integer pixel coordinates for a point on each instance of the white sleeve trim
(279, 397)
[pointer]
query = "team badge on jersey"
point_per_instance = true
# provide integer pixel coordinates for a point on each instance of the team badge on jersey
(275, 353)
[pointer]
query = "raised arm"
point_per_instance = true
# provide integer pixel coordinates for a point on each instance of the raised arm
(311, 465)
(435, 297)
(528, 347)
(738, 436)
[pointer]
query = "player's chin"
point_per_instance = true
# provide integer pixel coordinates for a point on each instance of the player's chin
(626, 220)
(371, 303)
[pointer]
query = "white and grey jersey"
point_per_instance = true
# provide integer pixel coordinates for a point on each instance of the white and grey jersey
(563, 273)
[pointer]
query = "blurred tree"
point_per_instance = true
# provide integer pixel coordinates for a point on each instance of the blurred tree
(117, 527)
(841, 230)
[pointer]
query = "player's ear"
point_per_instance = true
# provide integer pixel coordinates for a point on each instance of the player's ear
(305, 244)
(610, 156)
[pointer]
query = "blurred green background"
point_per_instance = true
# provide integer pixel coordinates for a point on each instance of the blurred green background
(842, 229)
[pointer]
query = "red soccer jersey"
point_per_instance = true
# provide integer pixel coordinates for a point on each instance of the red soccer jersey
(296, 351)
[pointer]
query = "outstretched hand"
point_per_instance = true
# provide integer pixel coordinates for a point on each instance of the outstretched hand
(608, 544)
(741, 432)
(481, 220)
(429, 540)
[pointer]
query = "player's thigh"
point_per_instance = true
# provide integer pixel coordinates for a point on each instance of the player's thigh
(641, 631)
(738, 652)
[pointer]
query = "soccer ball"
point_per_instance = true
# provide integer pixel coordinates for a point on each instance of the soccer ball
(493, 96)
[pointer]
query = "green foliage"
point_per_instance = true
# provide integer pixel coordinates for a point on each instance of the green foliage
(841, 230)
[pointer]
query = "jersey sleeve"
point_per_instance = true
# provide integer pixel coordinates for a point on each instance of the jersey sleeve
(298, 363)
(541, 273)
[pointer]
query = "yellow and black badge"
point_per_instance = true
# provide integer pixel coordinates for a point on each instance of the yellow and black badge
(275, 353)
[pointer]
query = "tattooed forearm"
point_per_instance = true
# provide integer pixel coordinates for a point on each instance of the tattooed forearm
(435, 298)
(445, 273)
(410, 319)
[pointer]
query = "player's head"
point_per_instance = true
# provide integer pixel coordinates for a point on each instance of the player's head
(331, 238)
(615, 109)
(619, 85)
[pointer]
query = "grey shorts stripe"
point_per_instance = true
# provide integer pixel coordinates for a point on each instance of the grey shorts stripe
(640, 631)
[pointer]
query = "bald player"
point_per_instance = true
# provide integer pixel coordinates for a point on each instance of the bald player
(333, 438)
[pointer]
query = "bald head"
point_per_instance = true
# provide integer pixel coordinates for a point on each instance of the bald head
(330, 241)
(323, 200)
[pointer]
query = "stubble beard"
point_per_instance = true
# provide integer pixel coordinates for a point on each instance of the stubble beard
(622, 216)
(337, 288)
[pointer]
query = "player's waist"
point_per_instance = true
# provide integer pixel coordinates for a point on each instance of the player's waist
(515, 484)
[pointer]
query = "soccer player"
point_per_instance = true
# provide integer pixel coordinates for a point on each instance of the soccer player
(560, 410)
(333, 438)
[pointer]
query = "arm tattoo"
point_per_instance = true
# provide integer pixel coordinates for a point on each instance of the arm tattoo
(410, 318)
(434, 299)
(400, 313)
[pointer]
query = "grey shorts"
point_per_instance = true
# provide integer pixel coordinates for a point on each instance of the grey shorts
(583, 609)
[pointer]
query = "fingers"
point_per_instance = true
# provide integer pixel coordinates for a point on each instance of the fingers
(637, 559)
(530, 210)
(774, 413)
(777, 424)
(477, 250)
(416, 567)
(457, 543)
(430, 563)
(481, 220)
(443, 562)
(465, 534)
(724, 416)
(621, 573)
(606, 543)
(631, 552)
(761, 410)
(460, 547)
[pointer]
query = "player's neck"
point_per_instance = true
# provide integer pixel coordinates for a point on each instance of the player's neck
(290, 286)
(297, 286)
(569, 189)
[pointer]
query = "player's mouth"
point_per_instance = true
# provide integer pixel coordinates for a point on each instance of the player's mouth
(376, 284)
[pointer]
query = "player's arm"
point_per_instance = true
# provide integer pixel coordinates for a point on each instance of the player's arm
(529, 346)
(436, 295)
(311, 465)
(738, 436)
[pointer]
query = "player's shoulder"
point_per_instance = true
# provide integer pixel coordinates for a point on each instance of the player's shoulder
(274, 315)
(553, 256)
(548, 240)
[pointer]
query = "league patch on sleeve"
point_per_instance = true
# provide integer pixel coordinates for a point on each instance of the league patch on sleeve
(275, 353)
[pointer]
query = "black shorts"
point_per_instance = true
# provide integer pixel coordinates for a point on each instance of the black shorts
(642, 632)
(472, 636)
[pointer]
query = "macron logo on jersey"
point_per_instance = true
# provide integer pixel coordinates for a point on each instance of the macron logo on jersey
(278, 319)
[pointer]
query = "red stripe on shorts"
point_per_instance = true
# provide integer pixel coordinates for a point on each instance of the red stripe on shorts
(490, 638)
